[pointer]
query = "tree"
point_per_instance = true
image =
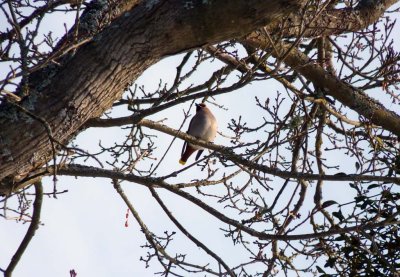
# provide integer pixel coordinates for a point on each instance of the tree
(337, 68)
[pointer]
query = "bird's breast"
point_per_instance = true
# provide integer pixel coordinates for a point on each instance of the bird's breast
(204, 126)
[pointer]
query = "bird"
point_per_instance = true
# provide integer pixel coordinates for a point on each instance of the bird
(203, 126)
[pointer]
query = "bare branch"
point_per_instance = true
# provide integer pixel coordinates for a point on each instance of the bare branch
(37, 206)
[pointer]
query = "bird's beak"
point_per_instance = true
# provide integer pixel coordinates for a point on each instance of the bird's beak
(197, 105)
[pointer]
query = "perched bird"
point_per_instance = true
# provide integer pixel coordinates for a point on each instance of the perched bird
(203, 126)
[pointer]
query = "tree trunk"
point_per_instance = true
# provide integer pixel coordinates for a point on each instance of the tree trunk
(62, 99)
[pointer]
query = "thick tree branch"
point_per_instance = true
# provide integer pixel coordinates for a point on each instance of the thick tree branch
(87, 171)
(355, 99)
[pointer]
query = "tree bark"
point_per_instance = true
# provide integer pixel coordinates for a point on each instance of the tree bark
(87, 84)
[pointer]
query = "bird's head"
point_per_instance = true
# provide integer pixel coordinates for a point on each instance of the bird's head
(200, 107)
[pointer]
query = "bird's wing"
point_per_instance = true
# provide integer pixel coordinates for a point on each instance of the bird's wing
(192, 124)
(189, 131)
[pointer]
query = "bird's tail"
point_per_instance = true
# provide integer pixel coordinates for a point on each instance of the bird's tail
(182, 162)
(185, 156)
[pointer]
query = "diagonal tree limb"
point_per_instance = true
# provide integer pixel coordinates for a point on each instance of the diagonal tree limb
(349, 96)
(160, 251)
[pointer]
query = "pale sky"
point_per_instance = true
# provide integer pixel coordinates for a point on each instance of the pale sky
(84, 228)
